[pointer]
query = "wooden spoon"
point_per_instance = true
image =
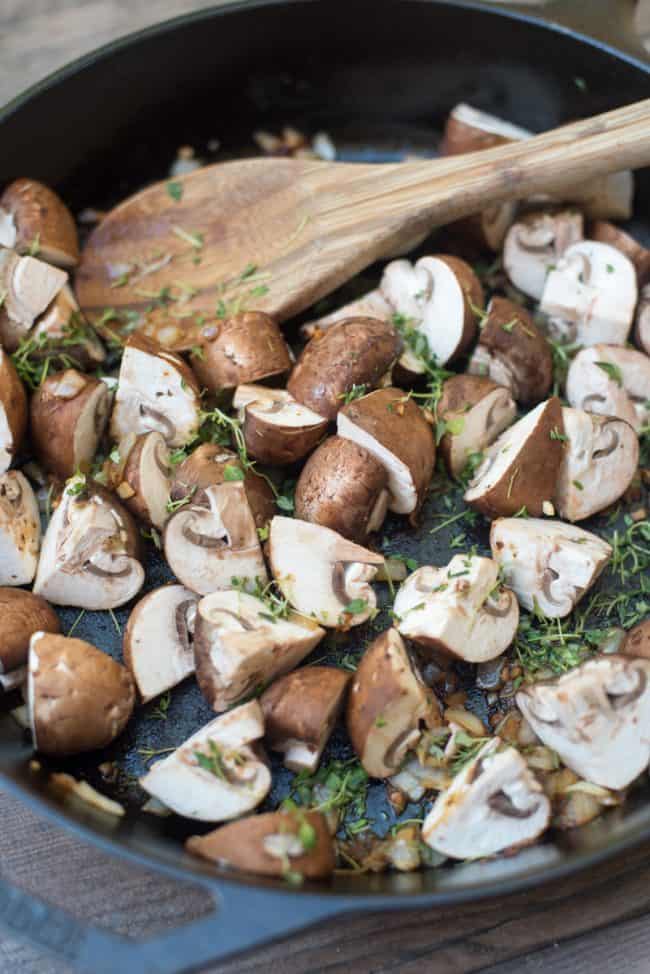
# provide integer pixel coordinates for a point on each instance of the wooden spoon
(278, 234)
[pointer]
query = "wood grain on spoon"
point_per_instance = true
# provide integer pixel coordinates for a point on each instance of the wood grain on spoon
(278, 234)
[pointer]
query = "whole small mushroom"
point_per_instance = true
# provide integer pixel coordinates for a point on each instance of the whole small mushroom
(247, 347)
(473, 411)
(277, 429)
(595, 718)
(69, 413)
(21, 615)
(300, 711)
(35, 220)
(20, 530)
(535, 243)
(78, 698)
(28, 286)
(600, 459)
(158, 644)
(548, 564)
(611, 381)
(239, 645)
(219, 772)
(145, 479)
(13, 411)
(343, 487)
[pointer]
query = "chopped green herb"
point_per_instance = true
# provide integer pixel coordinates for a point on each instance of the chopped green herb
(556, 435)
(612, 371)
(161, 711)
(231, 473)
(356, 392)
(577, 484)
(175, 190)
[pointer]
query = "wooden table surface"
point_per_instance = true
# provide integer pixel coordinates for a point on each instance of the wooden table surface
(597, 923)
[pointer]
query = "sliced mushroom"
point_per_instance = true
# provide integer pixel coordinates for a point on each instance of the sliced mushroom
(78, 698)
(322, 574)
(513, 352)
(272, 844)
(239, 645)
(13, 411)
(354, 352)
(474, 411)
(642, 321)
(209, 465)
(158, 642)
(343, 487)
(495, 804)
(213, 539)
(595, 718)
(599, 462)
(460, 610)
(156, 391)
(21, 615)
(69, 413)
(548, 564)
(520, 468)
(389, 425)
(246, 347)
(300, 711)
(145, 478)
(66, 332)
(388, 705)
(219, 772)
(609, 233)
(34, 220)
(27, 286)
(590, 295)
(438, 296)
(611, 381)
(370, 305)
(534, 245)
(637, 641)
(90, 549)
(20, 530)
(277, 429)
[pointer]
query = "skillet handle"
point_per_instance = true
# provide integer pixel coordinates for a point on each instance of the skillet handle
(243, 917)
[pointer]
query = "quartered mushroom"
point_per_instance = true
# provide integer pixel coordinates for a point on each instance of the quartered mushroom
(595, 718)
(144, 480)
(277, 429)
(534, 245)
(158, 644)
(513, 352)
(494, 804)
(438, 296)
(68, 415)
(609, 233)
(247, 347)
(460, 610)
(64, 330)
(28, 286)
(239, 645)
(89, 557)
(600, 459)
(213, 538)
(20, 530)
(520, 468)
(611, 381)
(78, 698)
(392, 427)
(34, 220)
(279, 843)
(474, 411)
(209, 465)
(354, 352)
(344, 487)
(370, 305)
(300, 711)
(590, 295)
(21, 615)
(548, 564)
(322, 574)
(156, 391)
(388, 706)
(219, 772)
(642, 320)
(13, 411)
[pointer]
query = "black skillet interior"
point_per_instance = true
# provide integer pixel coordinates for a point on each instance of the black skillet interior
(379, 77)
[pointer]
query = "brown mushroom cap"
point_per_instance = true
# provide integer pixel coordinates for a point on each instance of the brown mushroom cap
(391, 426)
(41, 221)
(356, 351)
(79, 698)
(343, 487)
(21, 615)
(277, 429)
(609, 233)
(13, 411)
(478, 411)
(145, 483)
(300, 710)
(69, 413)
(246, 347)
(516, 353)
(248, 846)
(637, 641)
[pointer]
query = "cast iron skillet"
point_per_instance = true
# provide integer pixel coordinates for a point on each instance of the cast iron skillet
(380, 75)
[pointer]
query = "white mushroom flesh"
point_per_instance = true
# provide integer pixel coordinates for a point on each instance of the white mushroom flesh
(8, 230)
(155, 478)
(276, 407)
(533, 246)
(28, 286)
(474, 118)
(20, 530)
(370, 305)
(481, 426)
(403, 497)
(611, 381)
(642, 326)
(161, 638)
